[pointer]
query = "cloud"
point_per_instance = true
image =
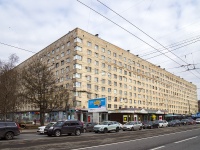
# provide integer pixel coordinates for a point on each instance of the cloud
(34, 25)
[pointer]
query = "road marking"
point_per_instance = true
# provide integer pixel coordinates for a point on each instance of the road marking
(157, 147)
(131, 140)
(186, 139)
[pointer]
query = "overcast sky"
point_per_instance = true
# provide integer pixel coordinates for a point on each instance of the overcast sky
(175, 24)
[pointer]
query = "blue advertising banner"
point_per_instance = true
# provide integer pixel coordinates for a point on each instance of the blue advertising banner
(97, 105)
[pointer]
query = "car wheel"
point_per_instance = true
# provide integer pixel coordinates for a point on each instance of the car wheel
(140, 128)
(124, 130)
(57, 133)
(78, 132)
(96, 131)
(69, 134)
(132, 129)
(84, 130)
(9, 136)
(117, 129)
(151, 127)
(105, 130)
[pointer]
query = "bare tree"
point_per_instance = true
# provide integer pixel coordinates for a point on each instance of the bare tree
(40, 89)
(9, 100)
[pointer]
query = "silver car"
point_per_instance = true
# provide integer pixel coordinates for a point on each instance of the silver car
(132, 125)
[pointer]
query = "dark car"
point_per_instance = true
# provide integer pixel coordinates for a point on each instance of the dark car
(191, 122)
(174, 123)
(88, 126)
(185, 121)
(8, 130)
(156, 124)
(65, 127)
(147, 125)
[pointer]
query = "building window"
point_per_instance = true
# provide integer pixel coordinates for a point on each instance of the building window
(77, 66)
(109, 98)
(67, 69)
(78, 48)
(89, 86)
(96, 47)
(109, 105)
(103, 50)
(103, 57)
(103, 89)
(77, 75)
(96, 55)
(77, 57)
(109, 90)
(103, 81)
(89, 60)
(57, 57)
(96, 71)
(62, 62)
(89, 52)
(114, 54)
(96, 79)
(62, 70)
(103, 73)
(96, 87)
(62, 54)
(77, 84)
(89, 69)
(53, 51)
(68, 60)
(77, 39)
(89, 78)
(89, 44)
(109, 52)
(103, 65)
(115, 106)
(96, 63)
(68, 43)
(115, 91)
(57, 65)
(68, 51)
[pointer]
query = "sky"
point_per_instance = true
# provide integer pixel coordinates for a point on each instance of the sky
(163, 32)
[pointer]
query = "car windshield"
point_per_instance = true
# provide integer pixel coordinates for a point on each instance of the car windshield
(59, 123)
(129, 123)
(104, 123)
(50, 124)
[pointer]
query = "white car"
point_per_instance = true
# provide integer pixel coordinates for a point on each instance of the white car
(163, 123)
(132, 125)
(41, 129)
(106, 126)
(198, 121)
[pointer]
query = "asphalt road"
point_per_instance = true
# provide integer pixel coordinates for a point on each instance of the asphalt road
(173, 138)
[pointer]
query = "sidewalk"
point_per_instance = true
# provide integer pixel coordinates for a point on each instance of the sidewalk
(28, 131)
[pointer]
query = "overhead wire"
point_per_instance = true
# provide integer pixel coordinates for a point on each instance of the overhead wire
(129, 32)
(17, 47)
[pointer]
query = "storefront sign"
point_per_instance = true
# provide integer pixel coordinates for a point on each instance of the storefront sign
(97, 105)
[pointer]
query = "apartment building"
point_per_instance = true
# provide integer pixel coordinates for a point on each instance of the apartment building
(92, 67)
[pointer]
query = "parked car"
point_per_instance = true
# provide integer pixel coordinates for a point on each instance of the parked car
(163, 123)
(184, 121)
(191, 122)
(148, 125)
(174, 123)
(88, 126)
(8, 130)
(106, 126)
(198, 121)
(65, 127)
(120, 125)
(156, 124)
(131, 125)
(41, 129)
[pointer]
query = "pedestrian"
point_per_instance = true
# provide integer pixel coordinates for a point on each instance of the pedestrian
(34, 121)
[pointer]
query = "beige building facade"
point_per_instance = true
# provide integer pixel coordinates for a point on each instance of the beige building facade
(91, 67)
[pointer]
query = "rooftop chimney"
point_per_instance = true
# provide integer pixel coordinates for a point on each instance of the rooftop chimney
(97, 35)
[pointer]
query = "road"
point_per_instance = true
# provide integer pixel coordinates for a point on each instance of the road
(173, 138)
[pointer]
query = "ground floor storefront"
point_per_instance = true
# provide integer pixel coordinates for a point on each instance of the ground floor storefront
(120, 115)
